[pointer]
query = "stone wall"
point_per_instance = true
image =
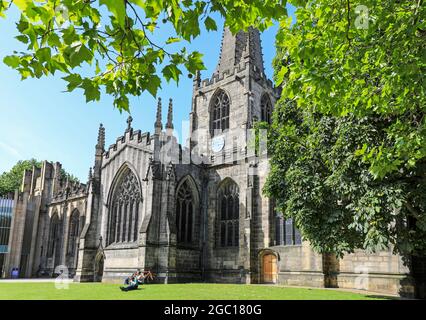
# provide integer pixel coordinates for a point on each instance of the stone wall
(299, 266)
(120, 263)
(188, 259)
(379, 272)
(131, 151)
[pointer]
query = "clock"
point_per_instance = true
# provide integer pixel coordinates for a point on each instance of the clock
(218, 143)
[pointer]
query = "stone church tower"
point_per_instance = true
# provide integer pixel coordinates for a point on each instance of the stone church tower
(223, 112)
(192, 212)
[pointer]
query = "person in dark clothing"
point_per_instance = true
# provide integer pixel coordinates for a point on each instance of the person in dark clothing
(133, 285)
(128, 279)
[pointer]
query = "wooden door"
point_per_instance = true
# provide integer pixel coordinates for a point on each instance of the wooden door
(269, 268)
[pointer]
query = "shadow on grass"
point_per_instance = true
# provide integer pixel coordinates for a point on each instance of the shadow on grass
(374, 296)
(137, 289)
(382, 297)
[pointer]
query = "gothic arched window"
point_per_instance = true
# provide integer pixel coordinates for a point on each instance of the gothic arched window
(266, 109)
(185, 213)
(220, 112)
(74, 232)
(54, 235)
(286, 232)
(123, 217)
(229, 214)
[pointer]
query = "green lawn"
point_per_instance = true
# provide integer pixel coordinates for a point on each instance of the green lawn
(99, 291)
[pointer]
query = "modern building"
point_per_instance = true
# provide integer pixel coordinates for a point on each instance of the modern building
(6, 208)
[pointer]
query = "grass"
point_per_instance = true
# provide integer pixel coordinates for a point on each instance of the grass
(100, 291)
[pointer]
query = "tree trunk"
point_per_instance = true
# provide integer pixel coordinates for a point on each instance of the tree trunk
(331, 268)
(418, 270)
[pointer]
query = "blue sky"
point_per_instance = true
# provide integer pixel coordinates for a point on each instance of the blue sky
(39, 120)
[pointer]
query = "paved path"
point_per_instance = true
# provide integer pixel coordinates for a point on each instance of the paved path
(365, 292)
(32, 280)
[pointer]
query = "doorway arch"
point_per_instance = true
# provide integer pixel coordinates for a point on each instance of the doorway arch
(268, 267)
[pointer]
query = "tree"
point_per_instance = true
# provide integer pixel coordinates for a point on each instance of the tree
(11, 180)
(348, 140)
(361, 58)
(70, 177)
(115, 38)
(319, 177)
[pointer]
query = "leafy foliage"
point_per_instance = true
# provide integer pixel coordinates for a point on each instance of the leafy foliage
(320, 179)
(348, 140)
(11, 180)
(67, 176)
(363, 58)
(116, 39)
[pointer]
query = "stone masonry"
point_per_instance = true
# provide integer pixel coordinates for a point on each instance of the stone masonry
(190, 212)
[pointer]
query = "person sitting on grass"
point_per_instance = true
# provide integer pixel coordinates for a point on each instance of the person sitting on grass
(127, 280)
(140, 277)
(133, 285)
(135, 274)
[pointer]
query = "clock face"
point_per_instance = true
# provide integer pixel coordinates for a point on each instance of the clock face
(218, 143)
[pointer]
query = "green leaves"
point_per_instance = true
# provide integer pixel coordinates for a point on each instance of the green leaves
(11, 180)
(319, 176)
(89, 86)
(124, 50)
(339, 66)
(76, 54)
(22, 4)
(43, 54)
(91, 90)
(153, 85)
(12, 61)
(74, 80)
(117, 8)
(194, 62)
(171, 72)
(172, 40)
(3, 7)
(280, 75)
(349, 144)
(210, 24)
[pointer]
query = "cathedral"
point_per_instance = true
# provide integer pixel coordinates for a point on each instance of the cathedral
(190, 212)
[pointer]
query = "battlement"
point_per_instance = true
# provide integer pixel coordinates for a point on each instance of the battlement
(37, 180)
(137, 137)
(70, 191)
(242, 67)
(49, 182)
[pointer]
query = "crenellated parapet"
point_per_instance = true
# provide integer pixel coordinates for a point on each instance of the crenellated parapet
(136, 138)
(144, 141)
(235, 72)
(69, 191)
